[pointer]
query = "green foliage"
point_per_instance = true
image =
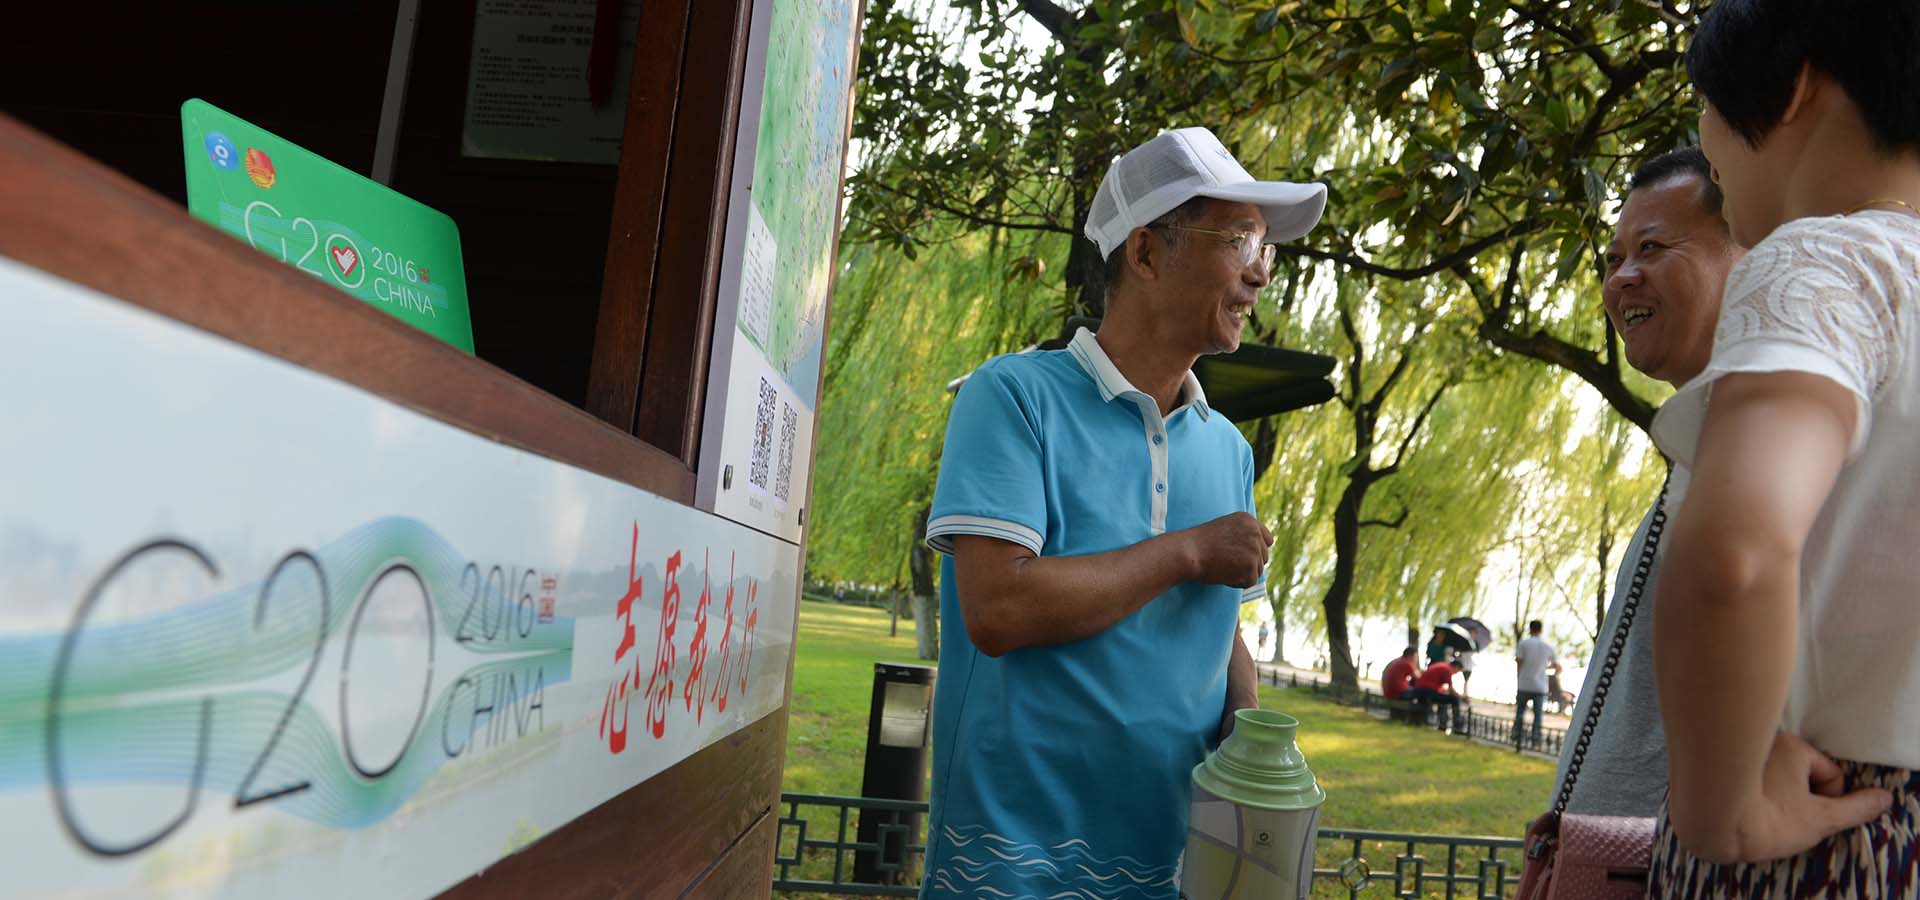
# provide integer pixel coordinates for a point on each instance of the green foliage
(901, 331)
(1471, 149)
(1474, 140)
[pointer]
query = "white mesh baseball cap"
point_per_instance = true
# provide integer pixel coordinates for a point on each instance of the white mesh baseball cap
(1179, 165)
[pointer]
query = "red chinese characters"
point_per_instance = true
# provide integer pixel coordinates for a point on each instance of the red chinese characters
(695, 690)
(746, 634)
(702, 683)
(548, 584)
(613, 714)
(660, 686)
(720, 691)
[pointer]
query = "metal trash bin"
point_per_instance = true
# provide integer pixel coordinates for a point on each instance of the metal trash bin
(899, 729)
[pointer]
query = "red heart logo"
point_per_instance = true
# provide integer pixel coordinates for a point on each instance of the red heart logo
(345, 258)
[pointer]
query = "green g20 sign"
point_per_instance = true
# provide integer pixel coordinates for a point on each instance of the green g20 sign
(366, 239)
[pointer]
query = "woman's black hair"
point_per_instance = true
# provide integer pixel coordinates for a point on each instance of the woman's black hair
(1746, 54)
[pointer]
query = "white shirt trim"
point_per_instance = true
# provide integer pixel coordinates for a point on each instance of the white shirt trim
(940, 532)
(1112, 385)
(1106, 376)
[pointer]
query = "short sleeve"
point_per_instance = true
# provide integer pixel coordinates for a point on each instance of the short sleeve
(991, 474)
(1813, 297)
(1258, 590)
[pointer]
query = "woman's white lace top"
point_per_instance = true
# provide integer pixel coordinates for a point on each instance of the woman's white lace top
(1836, 297)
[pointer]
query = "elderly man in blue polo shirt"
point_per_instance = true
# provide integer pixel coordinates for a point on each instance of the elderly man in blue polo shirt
(1096, 521)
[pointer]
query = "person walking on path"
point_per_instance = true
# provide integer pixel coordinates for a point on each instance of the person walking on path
(1535, 658)
(1096, 522)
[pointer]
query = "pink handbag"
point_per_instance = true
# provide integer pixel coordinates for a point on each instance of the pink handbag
(1569, 856)
(1576, 857)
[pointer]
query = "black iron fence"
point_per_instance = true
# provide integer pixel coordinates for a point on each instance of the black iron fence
(816, 854)
(1469, 724)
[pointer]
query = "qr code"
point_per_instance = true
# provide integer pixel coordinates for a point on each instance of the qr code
(762, 438)
(789, 428)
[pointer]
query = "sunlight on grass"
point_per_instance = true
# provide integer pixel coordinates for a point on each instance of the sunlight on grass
(1377, 775)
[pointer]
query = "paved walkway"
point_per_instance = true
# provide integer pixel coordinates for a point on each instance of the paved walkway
(1489, 708)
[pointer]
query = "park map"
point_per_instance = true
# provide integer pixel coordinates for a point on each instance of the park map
(796, 184)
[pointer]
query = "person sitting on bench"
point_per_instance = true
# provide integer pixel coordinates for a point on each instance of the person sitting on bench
(1396, 679)
(1435, 686)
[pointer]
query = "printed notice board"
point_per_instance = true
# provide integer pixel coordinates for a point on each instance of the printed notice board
(770, 334)
(308, 643)
(362, 237)
(527, 82)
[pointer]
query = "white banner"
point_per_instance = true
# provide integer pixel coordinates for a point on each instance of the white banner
(263, 634)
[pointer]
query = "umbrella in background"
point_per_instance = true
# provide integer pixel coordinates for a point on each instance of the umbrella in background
(1455, 636)
(1481, 635)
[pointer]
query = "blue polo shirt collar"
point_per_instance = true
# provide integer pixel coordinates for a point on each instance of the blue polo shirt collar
(1088, 353)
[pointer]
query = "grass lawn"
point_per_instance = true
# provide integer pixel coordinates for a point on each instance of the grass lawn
(832, 688)
(1377, 775)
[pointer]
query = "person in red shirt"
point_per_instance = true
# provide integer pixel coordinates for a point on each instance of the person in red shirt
(1398, 675)
(1435, 686)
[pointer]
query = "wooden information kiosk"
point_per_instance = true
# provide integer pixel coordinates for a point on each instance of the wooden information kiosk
(298, 600)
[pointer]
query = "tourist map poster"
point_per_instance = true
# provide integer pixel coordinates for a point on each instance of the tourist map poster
(264, 634)
(783, 225)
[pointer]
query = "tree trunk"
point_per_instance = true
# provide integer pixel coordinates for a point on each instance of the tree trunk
(1605, 549)
(926, 626)
(926, 599)
(1346, 547)
(1266, 443)
(1279, 631)
(1086, 271)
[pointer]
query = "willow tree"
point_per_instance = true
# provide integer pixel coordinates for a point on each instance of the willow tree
(903, 330)
(1469, 146)
(1504, 128)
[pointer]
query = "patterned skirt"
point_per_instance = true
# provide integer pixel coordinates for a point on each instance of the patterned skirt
(1880, 859)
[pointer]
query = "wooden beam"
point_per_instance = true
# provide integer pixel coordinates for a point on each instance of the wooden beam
(77, 219)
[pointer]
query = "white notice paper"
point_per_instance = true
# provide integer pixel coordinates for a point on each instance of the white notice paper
(756, 277)
(527, 94)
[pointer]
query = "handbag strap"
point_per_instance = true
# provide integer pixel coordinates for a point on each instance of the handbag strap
(1643, 569)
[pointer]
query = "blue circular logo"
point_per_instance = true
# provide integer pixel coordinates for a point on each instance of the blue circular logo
(221, 151)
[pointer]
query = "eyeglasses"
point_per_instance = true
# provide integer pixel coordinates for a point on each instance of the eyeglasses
(1249, 243)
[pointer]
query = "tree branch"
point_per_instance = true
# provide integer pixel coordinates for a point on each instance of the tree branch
(1505, 302)
(1057, 21)
(1395, 522)
(1441, 264)
(1573, 38)
(1399, 368)
(970, 216)
(1583, 363)
(1621, 84)
(1419, 422)
(1359, 353)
